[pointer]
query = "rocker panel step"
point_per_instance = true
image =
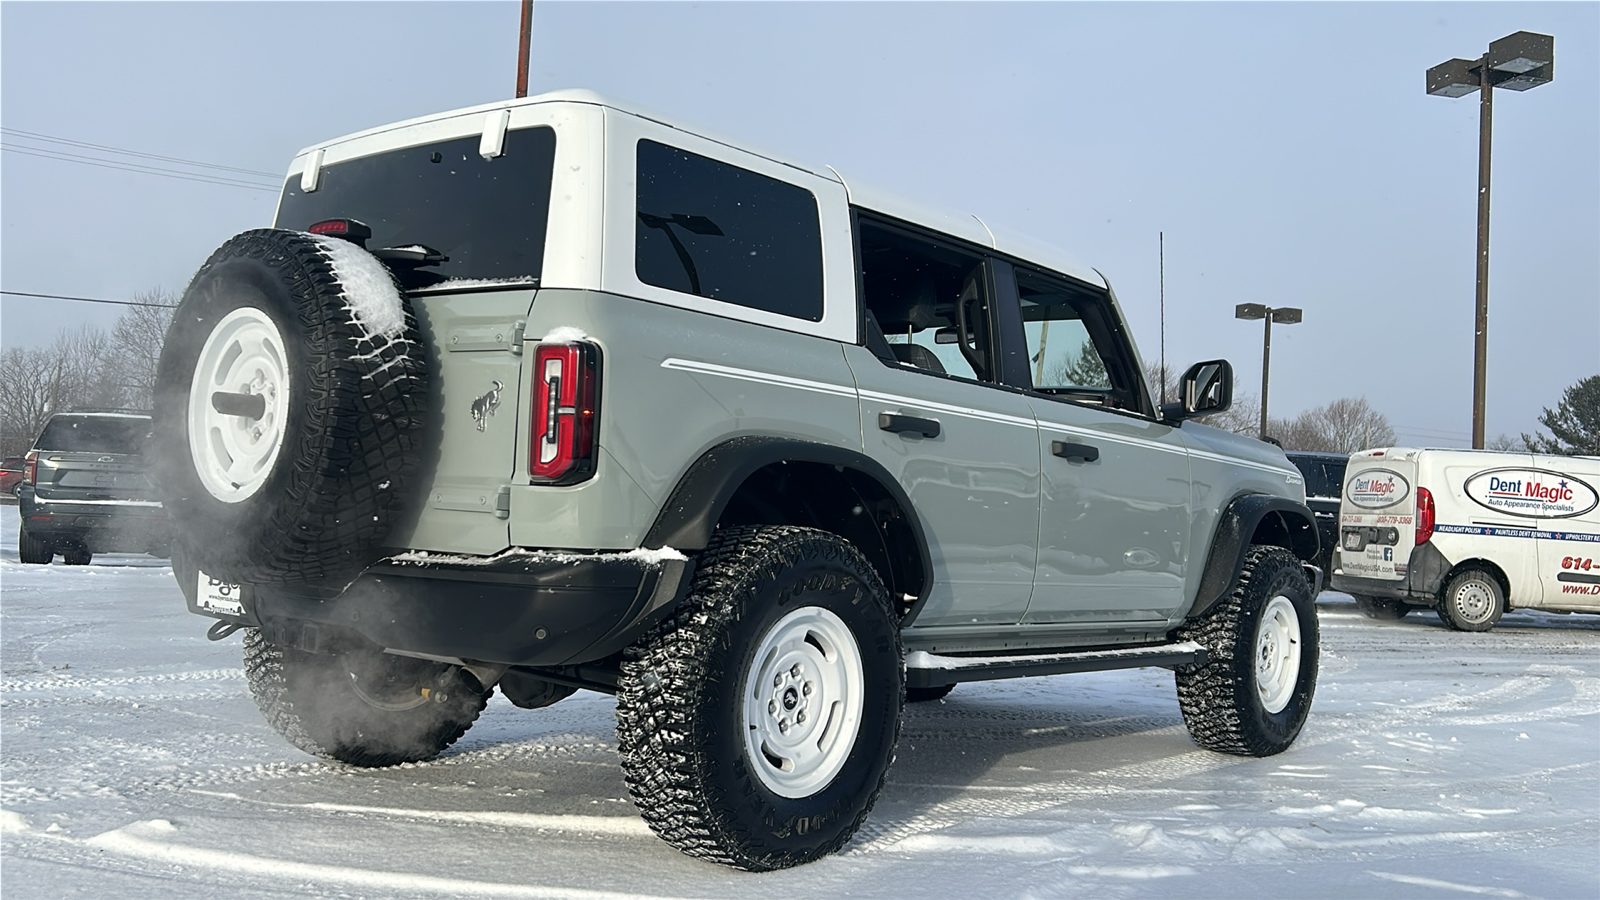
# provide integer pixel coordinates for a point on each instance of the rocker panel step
(924, 669)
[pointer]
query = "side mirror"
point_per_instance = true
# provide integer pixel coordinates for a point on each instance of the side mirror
(1205, 390)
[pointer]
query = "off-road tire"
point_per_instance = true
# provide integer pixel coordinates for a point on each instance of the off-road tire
(348, 439)
(34, 551)
(1473, 600)
(928, 694)
(681, 708)
(76, 556)
(1221, 703)
(312, 700)
(1382, 608)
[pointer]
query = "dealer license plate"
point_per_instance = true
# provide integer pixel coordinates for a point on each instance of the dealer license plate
(218, 596)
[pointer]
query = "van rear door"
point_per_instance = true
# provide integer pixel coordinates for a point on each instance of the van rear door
(1377, 515)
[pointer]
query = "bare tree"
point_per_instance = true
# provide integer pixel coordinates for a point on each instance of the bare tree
(27, 376)
(1506, 443)
(139, 335)
(1342, 426)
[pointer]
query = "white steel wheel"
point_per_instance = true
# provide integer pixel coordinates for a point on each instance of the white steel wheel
(1277, 654)
(238, 404)
(1474, 602)
(802, 702)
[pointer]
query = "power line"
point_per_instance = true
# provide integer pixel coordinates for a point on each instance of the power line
(188, 162)
(72, 157)
(88, 299)
(134, 167)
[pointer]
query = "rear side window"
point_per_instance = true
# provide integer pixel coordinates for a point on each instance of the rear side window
(95, 434)
(487, 215)
(718, 231)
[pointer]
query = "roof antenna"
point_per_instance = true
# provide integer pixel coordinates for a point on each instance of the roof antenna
(1161, 237)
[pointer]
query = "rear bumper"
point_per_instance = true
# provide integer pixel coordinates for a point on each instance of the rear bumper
(1424, 578)
(529, 609)
(103, 526)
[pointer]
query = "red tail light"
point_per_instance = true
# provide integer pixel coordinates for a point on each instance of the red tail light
(30, 467)
(1425, 515)
(566, 412)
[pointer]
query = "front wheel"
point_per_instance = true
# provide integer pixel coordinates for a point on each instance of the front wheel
(1252, 695)
(1382, 608)
(1473, 601)
(360, 705)
(758, 722)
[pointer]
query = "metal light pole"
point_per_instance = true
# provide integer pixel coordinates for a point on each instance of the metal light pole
(1283, 315)
(1518, 62)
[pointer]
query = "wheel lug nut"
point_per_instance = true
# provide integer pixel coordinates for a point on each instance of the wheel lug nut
(777, 680)
(800, 716)
(783, 725)
(795, 670)
(772, 707)
(806, 689)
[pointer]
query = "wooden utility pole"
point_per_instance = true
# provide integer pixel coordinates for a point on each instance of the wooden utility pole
(522, 48)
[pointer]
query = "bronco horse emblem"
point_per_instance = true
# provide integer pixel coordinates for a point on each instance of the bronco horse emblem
(484, 407)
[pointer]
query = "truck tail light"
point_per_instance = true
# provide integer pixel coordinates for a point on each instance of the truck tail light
(30, 467)
(1425, 515)
(566, 412)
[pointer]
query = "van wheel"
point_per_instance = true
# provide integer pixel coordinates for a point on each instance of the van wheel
(361, 706)
(290, 401)
(757, 723)
(1382, 608)
(1473, 601)
(34, 551)
(1252, 694)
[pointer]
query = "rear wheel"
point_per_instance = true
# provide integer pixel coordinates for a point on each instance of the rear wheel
(32, 550)
(1382, 608)
(757, 723)
(361, 706)
(1252, 695)
(1473, 601)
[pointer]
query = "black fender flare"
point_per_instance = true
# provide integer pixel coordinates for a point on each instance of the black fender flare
(1236, 526)
(702, 494)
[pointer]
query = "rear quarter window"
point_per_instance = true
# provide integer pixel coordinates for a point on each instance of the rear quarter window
(488, 215)
(714, 230)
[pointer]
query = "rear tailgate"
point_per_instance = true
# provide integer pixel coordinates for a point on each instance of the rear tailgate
(77, 476)
(1377, 515)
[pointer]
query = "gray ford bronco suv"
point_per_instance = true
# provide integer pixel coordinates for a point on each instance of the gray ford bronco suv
(556, 394)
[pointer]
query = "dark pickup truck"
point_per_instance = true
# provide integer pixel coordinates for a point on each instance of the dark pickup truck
(85, 490)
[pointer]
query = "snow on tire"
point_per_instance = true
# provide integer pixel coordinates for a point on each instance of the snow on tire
(1252, 695)
(360, 705)
(290, 402)
(758, 722)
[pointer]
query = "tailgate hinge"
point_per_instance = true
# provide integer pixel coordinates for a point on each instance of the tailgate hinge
(517, 332)
(502, 503)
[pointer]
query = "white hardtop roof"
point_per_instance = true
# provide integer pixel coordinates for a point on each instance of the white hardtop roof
(966, 226)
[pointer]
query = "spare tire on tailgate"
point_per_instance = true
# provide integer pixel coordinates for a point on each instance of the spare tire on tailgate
(290, 402)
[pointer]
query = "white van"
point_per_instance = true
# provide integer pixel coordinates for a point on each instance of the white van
(1471, 533)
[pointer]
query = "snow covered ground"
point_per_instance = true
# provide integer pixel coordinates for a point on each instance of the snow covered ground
(1435, 764)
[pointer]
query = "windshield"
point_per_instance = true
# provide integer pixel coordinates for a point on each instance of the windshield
(95, 434)
(487, 215)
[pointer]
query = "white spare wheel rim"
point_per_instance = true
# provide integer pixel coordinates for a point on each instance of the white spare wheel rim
(802, 702)
(1277, 656)
(238, 404)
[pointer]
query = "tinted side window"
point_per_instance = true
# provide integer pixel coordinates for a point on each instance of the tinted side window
(725, 233)
(487, 215)
(911, 287)
(1073, 351)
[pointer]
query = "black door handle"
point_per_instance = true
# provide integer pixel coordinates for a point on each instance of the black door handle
(1084, 452)
(928, 428)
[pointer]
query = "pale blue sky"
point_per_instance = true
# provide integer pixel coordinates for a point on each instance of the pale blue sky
(1287, 150)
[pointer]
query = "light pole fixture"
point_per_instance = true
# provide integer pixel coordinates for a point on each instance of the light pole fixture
(1283, 315)
(1517, 62)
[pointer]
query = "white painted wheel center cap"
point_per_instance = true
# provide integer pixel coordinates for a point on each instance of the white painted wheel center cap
(238, 404)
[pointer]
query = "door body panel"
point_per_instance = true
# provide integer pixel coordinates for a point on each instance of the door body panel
(975, 486)
(1114, 531)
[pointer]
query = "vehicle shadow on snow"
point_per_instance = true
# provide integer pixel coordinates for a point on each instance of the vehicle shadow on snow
(1513, 622)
